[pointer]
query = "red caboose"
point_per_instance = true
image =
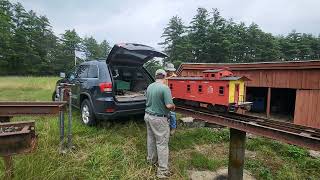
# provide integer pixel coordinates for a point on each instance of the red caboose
(216, 89)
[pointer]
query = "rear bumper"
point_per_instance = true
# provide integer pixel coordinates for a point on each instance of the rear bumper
(117, 114)
(120, 109)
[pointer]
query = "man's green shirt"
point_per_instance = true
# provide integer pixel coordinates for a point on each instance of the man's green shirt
(158, 96)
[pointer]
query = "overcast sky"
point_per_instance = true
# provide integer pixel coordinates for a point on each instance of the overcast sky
(142, 21)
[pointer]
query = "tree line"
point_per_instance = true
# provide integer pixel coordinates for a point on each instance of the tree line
(28, 45)
(211, 38)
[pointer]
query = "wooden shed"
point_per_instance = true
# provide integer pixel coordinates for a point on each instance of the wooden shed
(291, 89)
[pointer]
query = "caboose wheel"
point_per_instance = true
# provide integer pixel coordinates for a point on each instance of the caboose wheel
(178, 102)
(211, 107)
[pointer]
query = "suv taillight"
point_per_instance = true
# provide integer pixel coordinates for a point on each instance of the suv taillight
(105, 87)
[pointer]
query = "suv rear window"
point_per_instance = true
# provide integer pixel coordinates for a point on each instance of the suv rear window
(82, 72)
(93, 71)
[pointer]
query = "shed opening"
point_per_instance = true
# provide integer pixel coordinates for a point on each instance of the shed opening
(283, 103)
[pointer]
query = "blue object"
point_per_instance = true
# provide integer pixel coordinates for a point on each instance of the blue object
(173, 120)
(258, 105)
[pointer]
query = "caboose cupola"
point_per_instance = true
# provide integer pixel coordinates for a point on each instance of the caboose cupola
(216, 73)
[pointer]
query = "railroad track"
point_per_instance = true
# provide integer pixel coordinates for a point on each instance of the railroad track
(282, 131)
(276, 124)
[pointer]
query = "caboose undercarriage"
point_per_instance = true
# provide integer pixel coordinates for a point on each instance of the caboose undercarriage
(232, 107)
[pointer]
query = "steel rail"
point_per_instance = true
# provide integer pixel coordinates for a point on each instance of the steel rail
(263, 121)
(295, 126)
(276, 124)
(16, 108)
(288, 135)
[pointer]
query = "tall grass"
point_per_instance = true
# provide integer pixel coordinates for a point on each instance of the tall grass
(27, 88)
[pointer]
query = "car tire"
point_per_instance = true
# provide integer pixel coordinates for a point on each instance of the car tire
(87, 116)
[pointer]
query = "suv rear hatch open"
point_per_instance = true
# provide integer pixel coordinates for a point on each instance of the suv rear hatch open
(130, 79)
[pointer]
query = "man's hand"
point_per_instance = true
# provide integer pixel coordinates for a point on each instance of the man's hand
(172, 107)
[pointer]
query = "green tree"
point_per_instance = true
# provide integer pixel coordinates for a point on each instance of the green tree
(104, 49)
(152, 66)
(218, 44)
(6, 26)
(65, 53)
(174, 41)
(91, 48)
(28, 45)
(198, 32)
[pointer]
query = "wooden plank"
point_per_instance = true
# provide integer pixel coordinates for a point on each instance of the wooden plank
(306, 111)
(268, 102)
(317, 112)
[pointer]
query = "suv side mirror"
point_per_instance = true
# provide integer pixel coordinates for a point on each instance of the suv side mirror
(62, 75)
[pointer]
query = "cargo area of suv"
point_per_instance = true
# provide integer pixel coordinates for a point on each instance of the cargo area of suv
(130, 83)
(130, 79)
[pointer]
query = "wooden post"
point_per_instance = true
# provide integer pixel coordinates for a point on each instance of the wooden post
(236, 154)
(268, 102)
(8, 167)
(8, 162)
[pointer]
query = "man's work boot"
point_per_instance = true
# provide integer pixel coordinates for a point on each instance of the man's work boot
(164, 175)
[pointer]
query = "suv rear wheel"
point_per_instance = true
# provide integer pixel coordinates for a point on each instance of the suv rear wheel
(87, 115)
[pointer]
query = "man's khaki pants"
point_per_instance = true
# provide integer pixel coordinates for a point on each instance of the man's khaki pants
(158, 132)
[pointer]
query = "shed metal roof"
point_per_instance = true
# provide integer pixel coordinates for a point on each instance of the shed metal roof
(280, 65)
(213, 70)
(227, 78)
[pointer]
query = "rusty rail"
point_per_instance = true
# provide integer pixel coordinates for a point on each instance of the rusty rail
(289, 134)
(17, 108)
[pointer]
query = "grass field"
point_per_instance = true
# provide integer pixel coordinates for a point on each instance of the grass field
(118, 151)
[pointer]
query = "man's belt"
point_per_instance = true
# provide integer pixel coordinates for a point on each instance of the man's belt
(157, 115)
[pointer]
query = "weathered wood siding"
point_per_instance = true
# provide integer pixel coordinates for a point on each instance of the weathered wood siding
(307, 109)
(295, 79)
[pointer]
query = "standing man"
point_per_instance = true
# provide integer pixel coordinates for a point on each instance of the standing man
(170, 70)
(158, 106)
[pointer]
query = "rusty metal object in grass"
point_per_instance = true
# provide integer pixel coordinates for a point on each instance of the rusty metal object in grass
(20, 137)
(16, 138)
(9, 109)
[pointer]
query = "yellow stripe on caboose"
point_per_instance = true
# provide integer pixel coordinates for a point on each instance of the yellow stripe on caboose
(232, 89)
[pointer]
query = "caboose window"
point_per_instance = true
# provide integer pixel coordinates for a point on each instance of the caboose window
(221, 90)
(188, 88)
(171, 86)
(212, 75)
(200, 88)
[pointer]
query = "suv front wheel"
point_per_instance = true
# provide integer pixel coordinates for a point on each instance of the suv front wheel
(87, 115)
